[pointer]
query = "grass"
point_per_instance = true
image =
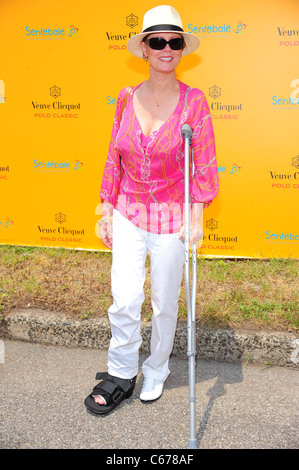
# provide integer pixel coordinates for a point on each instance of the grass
(241, 293)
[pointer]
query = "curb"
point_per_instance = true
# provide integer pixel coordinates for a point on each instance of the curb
(40, 326)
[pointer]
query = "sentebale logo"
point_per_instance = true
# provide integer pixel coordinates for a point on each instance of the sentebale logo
(215, 30)
(51, 33)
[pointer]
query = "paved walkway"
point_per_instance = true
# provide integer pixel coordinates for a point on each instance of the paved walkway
(42, 390)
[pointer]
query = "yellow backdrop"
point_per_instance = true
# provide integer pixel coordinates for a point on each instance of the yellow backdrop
(62, 66)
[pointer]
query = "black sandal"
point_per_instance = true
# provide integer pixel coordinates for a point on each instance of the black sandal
(113, 389)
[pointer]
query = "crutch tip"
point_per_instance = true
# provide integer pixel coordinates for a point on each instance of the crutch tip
(192, 444)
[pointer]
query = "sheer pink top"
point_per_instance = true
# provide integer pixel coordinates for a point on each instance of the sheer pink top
(144, 176)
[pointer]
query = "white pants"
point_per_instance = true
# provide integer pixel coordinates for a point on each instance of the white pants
(130, 247)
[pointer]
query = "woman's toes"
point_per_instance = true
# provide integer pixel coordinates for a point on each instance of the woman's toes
(99, 399)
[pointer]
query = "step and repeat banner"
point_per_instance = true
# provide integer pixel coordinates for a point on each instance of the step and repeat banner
(62, 65)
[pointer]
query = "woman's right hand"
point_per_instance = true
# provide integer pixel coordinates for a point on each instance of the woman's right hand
(105, 224)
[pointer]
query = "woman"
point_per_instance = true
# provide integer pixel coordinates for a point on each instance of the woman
(142, 205)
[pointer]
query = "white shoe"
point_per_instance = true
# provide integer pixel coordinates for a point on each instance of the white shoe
(151, 390)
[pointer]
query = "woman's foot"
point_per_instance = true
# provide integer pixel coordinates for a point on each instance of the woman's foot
(109, 393)
(152, 389)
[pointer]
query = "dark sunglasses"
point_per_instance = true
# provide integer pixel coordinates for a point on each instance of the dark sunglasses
(158, 44)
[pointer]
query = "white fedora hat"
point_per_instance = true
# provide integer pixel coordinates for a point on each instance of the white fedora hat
(162, 19)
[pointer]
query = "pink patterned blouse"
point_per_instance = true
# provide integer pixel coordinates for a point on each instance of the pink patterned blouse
(144, 176)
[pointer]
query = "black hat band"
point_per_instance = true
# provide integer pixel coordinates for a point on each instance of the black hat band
(163, 27)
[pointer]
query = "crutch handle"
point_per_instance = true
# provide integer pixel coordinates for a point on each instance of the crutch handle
(186, 131)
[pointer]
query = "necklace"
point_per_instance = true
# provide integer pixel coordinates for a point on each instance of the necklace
(152, 94)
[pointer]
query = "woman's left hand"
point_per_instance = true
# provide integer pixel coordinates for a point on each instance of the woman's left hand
(196, 232)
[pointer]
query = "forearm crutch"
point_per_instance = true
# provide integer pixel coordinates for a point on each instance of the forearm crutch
(191, 299)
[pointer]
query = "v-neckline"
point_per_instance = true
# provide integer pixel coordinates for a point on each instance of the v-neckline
(156, 131)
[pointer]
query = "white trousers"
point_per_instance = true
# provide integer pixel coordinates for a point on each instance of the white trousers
(130, 247)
